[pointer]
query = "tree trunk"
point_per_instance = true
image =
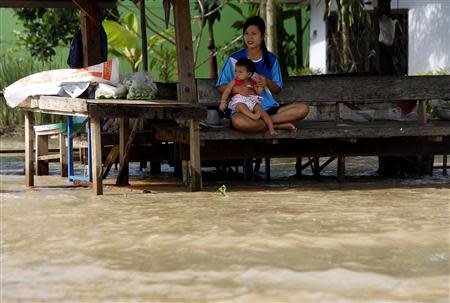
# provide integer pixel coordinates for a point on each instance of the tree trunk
(271, 15)
(345, 33)
(263, 10)
(212, 50)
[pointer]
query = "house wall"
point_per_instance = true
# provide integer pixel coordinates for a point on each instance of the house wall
(429, 34)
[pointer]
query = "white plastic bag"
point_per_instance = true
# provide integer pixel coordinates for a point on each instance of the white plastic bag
(49, 82)
(106, 91)
(140, 86)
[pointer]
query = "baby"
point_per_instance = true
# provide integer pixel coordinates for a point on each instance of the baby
(246, 105)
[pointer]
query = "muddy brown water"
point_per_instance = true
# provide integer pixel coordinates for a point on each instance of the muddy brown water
(368, 240)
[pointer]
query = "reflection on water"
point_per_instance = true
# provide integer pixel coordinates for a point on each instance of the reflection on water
(288, 241)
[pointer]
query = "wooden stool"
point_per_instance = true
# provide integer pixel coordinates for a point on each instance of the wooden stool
(42, 156)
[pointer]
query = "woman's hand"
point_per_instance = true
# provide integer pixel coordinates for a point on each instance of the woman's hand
(261, 81)
(243, 90)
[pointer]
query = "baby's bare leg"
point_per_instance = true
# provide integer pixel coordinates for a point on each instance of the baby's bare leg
(243, 109)
(266, 118)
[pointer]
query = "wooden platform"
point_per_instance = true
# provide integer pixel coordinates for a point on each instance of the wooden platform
(315, 130)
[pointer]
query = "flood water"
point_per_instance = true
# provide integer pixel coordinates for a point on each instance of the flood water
(367, 240)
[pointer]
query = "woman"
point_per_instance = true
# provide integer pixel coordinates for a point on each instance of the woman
(267, 75)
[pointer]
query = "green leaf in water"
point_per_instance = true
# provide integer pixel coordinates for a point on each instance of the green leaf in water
(222, 191)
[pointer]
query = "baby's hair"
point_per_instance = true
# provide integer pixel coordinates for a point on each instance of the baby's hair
(247, 63)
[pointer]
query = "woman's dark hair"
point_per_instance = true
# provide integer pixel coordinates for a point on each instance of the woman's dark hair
(259, 23)
(247, 63)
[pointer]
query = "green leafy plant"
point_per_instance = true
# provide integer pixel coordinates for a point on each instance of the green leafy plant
(45, 29)
(222, 191)
(162, 57)
(123, 39)
(12, 69)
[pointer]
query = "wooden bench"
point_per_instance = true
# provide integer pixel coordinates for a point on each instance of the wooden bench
(334, 139)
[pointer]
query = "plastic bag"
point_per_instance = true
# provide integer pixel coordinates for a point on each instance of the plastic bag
(140, 86)
(105, 91)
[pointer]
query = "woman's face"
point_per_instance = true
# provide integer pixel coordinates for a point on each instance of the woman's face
(253, 37)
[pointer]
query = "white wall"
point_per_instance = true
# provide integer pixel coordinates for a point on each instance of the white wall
(317, 34)
(428, 35)
(429, 38)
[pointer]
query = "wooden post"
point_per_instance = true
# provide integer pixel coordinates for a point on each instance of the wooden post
(338, 109)
(267, 169)
(187, 91)
(196, 168)
(444, 164)
(341, 168)
(89, 15)
(126, 155)
(63, 155)
(298, 167)
(144, 36)
(185, 172)
(422, 115)
(316, 166)
(123, 135)
(96, 141)
(41, 167)
(29, 175)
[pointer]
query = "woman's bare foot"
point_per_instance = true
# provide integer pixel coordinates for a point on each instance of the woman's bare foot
(272, 132)
(286, 126)
(255, 116)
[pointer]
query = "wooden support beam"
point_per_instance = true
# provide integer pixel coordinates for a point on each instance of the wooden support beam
(29, 134)
(185, 172)
(63, 161)
(444, 165)
(110, 160)
(267, 169)
(341, 168)
(338, 110)
(90, 33)
(143, 36)
(321, 167)
(248, 169)
(194, 145)
(421, 111)
(41, 164)
(123, 136)
(126, 156)
(187, 91)
(298, 167)
(316, 167)
(185, 55)
(96, 143)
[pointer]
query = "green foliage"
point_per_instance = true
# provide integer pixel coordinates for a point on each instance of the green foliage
(443, 71)
(305, 71)
(222, 191)
(162, 57)
(11, 70)
(123, 41)
(45, 29)
(210, 8)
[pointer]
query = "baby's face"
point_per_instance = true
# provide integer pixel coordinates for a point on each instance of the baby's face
(241, 73)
